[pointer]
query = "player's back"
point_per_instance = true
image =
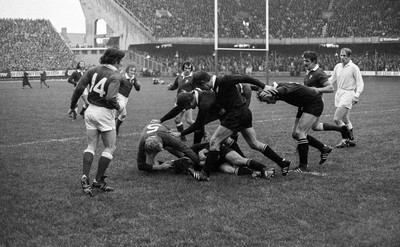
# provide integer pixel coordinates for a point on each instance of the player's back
(100, 80)
(296, 94)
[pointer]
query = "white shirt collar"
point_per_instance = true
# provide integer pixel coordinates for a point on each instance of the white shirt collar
(110, 66)
(314, 69)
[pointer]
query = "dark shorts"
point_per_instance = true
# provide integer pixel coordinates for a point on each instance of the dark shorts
(237, 119)
(314, 108)
(224, 150)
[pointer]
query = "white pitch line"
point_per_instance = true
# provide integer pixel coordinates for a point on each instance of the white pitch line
(135, 133)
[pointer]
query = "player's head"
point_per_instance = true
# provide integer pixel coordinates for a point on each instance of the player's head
(112, 56)
(345, 55)
(80, 65)
(187, 68)
(266, 97)
(310, 59)
(130, 70)
(186, 100)
(200, 79)
(153, 145)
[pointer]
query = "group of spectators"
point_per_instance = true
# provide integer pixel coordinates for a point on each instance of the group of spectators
(27, 44)
(287, 18)
(278, 61)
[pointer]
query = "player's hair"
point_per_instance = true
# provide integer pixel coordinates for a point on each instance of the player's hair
(200, 77)
(112, 56)
(183, 99)
(153, 144)
(187, 64)
(347, 50)
(312, 55)
(129, 67)
(78, 66)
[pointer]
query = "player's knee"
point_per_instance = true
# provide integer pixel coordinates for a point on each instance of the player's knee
(121, 117)
(296, 135)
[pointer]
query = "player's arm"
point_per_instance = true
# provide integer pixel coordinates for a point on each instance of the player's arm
(173, 143)
(326, 86)
(174, 85)
(72, 79)
(359, 82)
(171, 114)
(80, 87)
(333, 77)
(112, 93)
(198, 123)
(136, 84)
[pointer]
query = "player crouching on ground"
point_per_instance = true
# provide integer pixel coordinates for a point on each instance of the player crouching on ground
(155, 138)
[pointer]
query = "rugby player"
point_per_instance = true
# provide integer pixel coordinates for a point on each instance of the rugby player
(129, 81)
(155, 138)
(104, 81)
(235, 116)
(183, 82)
(311, 104)
(74, 79)
(350, 85)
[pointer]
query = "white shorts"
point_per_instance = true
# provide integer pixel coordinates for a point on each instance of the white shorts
(99, 118)
(123, 102)
(344, 98)
(85, 92)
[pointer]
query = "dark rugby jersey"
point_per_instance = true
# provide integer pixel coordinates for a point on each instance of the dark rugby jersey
(315, 78)
(296, 94)
(75, 76)
(183, 83)
(126, 86)
(168, 141)
(228, 97)
(104, 82)
(208, 109)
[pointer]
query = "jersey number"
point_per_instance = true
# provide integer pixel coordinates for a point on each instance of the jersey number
(152, 128)
(99, 86)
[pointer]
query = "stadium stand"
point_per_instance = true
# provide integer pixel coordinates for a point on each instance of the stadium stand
(35, 44)
(288, 18)
(32, 45)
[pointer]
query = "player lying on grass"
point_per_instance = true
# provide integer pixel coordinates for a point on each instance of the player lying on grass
(233, 163)
(155, 138)
(312, 106)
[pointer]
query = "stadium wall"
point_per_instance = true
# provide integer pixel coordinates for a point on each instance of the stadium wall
(124, 26)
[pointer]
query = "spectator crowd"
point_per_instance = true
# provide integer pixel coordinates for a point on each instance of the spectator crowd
(35, 45)
(287, 18)
(27, 44)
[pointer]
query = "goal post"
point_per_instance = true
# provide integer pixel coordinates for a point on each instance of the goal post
(217, 48)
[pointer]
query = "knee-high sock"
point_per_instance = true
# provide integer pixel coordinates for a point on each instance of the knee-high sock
(211, 162)
(179, 127)
(87, 163)
(270, 154)
(331, 127)
(198, 135)
(104, 162)
(255, 165)
(315, 143)
(302, 146)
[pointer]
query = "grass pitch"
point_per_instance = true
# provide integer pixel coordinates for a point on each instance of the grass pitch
(357, 203)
